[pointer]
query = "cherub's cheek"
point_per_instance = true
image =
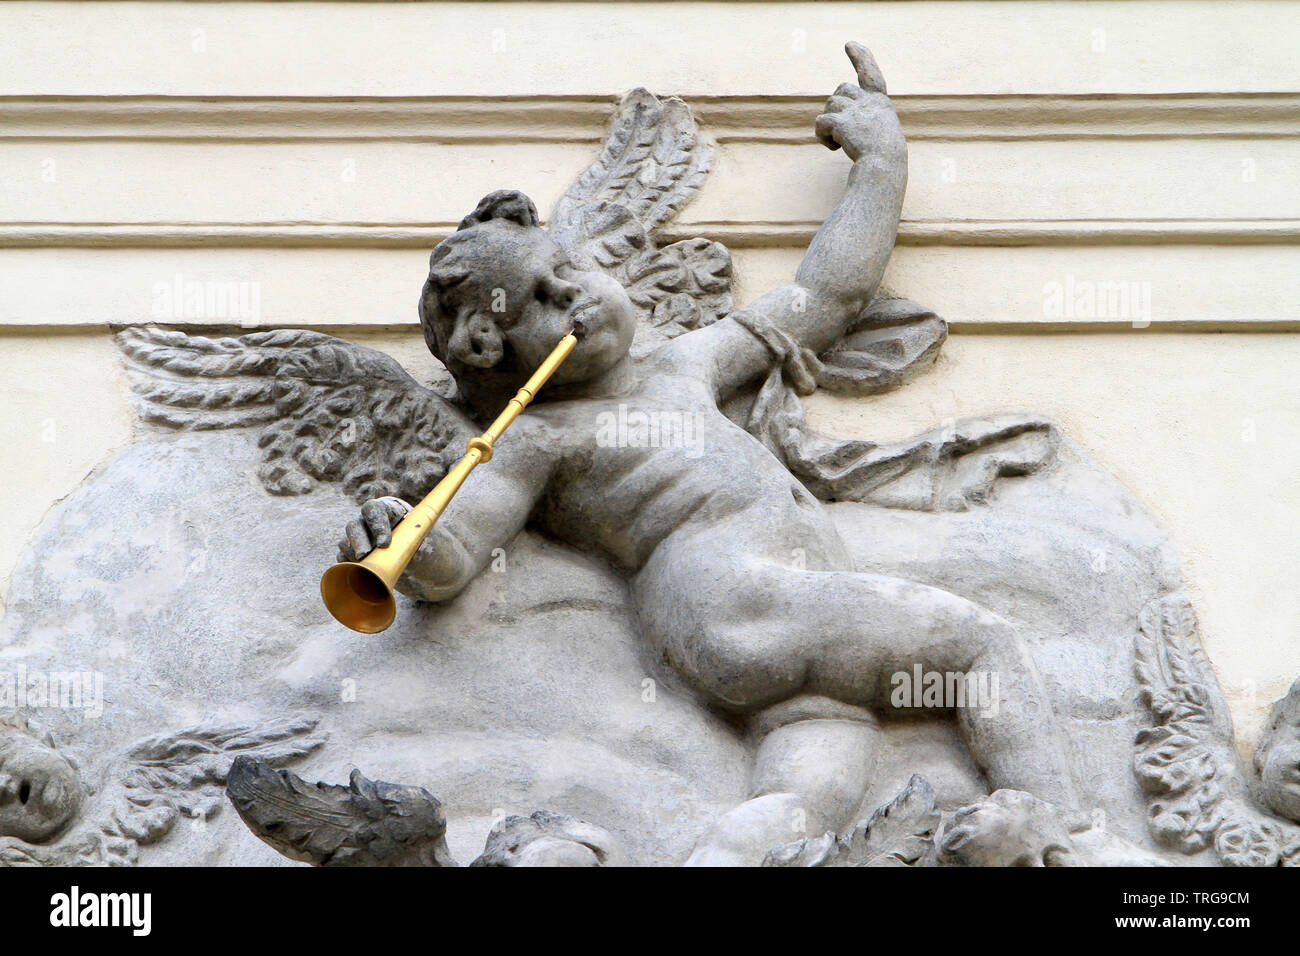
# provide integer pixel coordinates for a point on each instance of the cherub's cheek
(1284, 762)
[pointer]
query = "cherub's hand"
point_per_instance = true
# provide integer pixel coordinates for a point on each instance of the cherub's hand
(860, 118)
(374, 529)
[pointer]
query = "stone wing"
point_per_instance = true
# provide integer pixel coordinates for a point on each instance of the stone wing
(652, 165)
(329, 410)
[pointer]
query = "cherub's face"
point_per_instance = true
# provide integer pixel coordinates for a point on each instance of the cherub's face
(39, 790)
(1010, 828)
(535, 295)
(1279, 768)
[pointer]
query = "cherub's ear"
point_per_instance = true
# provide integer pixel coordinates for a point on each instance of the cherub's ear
(508, 204)
(475, 341)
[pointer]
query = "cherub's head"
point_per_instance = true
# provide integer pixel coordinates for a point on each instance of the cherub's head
(1277, 756)
(500, 295)
(1010, 828)
(39, 789)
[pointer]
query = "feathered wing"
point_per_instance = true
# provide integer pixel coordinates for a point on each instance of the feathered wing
(329, 410)
(652, 165)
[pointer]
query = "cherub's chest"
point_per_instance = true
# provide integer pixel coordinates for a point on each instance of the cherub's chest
(660, 414)
(642, 440)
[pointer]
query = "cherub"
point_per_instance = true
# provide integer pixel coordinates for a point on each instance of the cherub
(1277, 756)
(1011, 828)
(740, 582)
(39, 789)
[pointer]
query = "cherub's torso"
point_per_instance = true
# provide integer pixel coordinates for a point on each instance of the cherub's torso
(661, 461)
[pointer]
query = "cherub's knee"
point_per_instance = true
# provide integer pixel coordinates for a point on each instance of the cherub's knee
(743, 667)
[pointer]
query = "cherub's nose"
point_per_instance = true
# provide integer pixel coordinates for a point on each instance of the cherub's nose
(560, 293)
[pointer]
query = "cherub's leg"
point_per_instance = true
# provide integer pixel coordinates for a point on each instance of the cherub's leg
(763, 633)
(811, 770)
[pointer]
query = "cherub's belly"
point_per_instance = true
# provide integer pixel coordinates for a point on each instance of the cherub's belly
(745, 501)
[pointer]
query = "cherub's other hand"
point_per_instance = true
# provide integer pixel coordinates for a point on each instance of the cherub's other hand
(374, 529)
(859, 117)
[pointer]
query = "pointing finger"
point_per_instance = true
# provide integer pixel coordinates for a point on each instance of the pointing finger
(864, 64)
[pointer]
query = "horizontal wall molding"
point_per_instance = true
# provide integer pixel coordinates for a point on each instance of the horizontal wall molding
(736, 235)
(955, 327)
(774, 119)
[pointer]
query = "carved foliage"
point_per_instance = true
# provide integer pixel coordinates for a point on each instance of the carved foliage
(900, 833)
(367, 823)
(1186, 763)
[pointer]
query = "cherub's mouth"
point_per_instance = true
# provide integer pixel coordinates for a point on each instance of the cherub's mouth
(582, 312)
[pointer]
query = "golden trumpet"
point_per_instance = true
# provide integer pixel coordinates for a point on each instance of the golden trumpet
(360, 593)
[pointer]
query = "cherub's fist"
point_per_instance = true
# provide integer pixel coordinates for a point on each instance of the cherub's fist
(859, 117)
(374, 529)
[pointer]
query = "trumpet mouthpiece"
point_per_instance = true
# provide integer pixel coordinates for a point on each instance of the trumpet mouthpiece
(358, 597)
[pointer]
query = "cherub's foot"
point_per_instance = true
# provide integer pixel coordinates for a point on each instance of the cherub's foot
(747, 834)
(39, 789)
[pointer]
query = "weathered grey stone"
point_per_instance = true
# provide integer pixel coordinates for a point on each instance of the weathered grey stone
(548, 839)
(1277, 756)
(901, 833)
(367, 823)
(1011, 828)
(665, 607)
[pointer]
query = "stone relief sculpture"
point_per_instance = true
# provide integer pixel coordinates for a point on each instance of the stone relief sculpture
(1277, 758)
(668, 612)
(140, 798)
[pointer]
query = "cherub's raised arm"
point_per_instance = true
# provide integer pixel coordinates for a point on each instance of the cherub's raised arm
(842, 269)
